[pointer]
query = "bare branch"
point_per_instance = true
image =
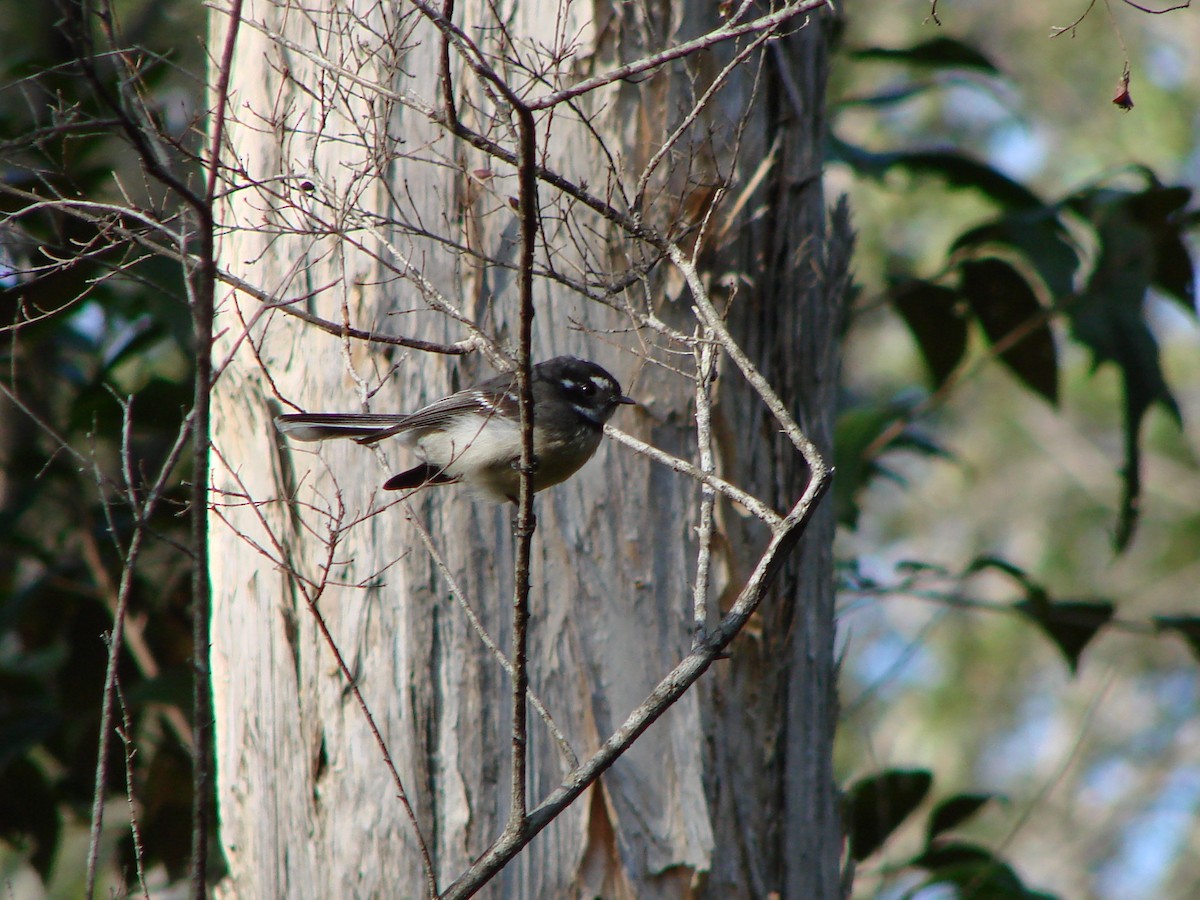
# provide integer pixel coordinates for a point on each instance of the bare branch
(752, 504)
(706, 373)
(525, 523)
(711, 318)
(767, 23)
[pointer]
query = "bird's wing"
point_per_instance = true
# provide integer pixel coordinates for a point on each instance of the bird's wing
(493, 397)
(496, 396)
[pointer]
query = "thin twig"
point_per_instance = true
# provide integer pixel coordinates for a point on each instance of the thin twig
(1158, 12)
(752, 504)
(135, 632)
(126, 735)
(768, 23)
(90, 212)
(706, 373)
(1057, 30)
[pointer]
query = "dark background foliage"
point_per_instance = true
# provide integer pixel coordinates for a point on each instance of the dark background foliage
(97, 371)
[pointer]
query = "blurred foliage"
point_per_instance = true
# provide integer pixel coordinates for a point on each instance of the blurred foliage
(96, 374)
(1018, 592)
(875, 806)
(1013, 273)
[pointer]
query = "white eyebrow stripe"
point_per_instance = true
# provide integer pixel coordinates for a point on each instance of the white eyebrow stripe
(600, 382)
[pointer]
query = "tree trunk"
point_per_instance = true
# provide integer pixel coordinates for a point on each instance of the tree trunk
(348, 200)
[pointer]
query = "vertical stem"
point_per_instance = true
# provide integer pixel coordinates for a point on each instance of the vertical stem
(526, 521)
(706, 370)
(115, 639)
(202, 307)
(448, 106)
(139, 854)
(203, 289)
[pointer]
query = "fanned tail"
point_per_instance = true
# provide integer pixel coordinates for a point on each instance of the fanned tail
(362, 427)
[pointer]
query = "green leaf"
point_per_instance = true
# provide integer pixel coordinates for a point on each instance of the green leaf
(961, 863)
(976, 872)
(919, 566)
(1109, 315)
(938, 53)
(861, 435)
(1160, 211)
(855, 431)
(963, 172)
(1187, 627)
(1071, 625)
(1035, 594)
(1039, 237)
(888, 97)
(876, 805)
(1158, 204)
(957, 170)
(933, 315)
(952, 812)
(1008, 309)
(1174, 273)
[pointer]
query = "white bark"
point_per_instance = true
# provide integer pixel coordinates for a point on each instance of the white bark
(307, 808)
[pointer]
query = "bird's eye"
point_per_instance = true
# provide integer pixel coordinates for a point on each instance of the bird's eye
(581, 388)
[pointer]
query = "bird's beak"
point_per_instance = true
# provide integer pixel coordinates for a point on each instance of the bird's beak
(628, 400)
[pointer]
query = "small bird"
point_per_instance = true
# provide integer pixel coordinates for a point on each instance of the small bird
(474, 435)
